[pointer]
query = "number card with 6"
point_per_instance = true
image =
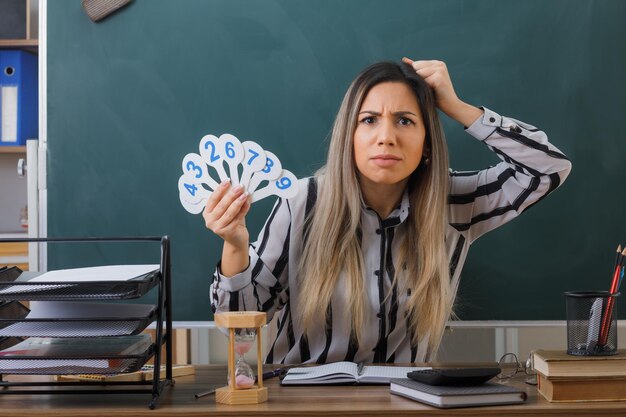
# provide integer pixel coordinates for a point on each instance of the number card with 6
(233, 155)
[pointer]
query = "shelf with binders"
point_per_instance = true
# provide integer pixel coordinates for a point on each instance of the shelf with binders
(78, 323)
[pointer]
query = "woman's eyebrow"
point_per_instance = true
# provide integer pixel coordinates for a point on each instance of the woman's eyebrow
(398, 113)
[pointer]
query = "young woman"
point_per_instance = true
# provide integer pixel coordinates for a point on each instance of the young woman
(364, 263)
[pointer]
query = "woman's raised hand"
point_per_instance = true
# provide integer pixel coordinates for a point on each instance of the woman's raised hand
(225, 215)
(435, 74)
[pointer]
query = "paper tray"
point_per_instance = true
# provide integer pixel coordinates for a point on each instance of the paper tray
(74, 319)
(45, 365)
(16, 286)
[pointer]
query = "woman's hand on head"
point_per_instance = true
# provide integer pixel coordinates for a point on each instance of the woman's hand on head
(225, 215)
(435, 74)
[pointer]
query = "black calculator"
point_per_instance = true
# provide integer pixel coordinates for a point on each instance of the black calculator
(454, 376)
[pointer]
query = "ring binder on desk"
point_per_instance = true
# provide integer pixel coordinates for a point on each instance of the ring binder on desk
(68, 335)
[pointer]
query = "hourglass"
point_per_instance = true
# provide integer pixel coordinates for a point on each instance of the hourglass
(243, 327)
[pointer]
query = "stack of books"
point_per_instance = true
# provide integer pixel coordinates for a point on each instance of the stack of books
(567, 378)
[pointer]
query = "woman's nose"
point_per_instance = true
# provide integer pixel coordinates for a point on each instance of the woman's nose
(387, 134)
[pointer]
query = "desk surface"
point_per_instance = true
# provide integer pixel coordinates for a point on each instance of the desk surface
(317, 400)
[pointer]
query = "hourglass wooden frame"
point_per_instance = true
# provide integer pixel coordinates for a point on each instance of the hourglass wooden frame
(230, 394)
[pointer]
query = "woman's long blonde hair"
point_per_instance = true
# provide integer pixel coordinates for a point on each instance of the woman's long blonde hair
(332, 246)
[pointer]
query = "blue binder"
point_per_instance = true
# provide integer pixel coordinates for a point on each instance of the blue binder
(19, 119)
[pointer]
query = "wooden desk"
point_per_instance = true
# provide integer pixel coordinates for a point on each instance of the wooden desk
(294, 401)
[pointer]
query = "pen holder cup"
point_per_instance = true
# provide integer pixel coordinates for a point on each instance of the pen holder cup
(591, 323)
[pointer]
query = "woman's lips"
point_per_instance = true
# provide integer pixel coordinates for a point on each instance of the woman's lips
(385, 160)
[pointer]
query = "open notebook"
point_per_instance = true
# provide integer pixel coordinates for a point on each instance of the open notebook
(346, 372)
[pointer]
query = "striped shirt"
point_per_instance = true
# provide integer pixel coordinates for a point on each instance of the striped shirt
(479, 201)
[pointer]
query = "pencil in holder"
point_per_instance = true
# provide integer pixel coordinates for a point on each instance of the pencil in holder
(591, 323)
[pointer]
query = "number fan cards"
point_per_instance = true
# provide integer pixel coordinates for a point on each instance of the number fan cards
(225, 158)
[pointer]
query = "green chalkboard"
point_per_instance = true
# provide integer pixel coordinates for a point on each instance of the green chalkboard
(130, 96)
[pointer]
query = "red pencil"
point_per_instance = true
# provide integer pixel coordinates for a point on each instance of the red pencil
(608, 312)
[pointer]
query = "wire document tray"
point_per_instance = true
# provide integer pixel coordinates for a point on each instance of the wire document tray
(74, 319)
(64, 331)
(23, 289)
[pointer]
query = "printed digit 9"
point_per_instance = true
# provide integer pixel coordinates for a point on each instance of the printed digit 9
(283, 183)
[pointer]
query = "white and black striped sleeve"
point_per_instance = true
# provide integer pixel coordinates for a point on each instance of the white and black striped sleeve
(259, 286)
(531, 168)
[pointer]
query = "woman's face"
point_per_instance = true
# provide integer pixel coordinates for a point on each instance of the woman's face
(389, 137)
